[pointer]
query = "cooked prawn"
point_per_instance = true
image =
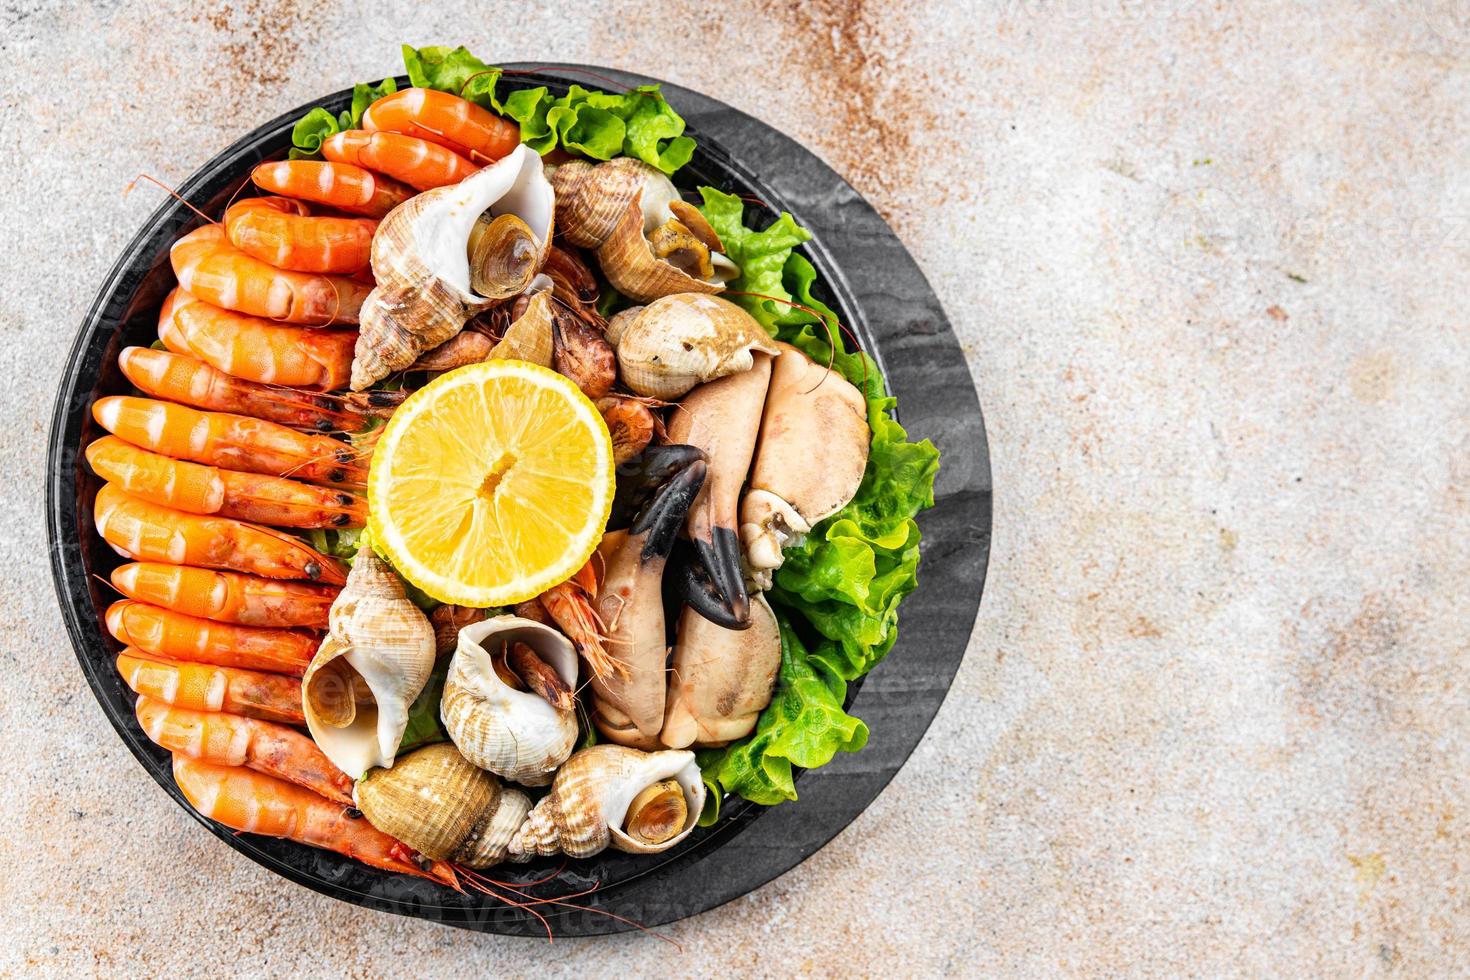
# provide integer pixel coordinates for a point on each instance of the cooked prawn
(226, 596)
(286, 234)
(150, 532)
(255, 803)
(417, 162)
(165, 633)
(234, 740)
(337, 185)
(630, 422)
(446, 119)
(205, 687)
(182, 377)
(570, 606)
(200, 489)
(208, 266)
(234, 442)
(255, 348)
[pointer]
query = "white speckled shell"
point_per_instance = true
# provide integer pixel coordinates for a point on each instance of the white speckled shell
(583, 814)
(515, 734)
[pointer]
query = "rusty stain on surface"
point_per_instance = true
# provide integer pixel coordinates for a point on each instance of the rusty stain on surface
(262, 36)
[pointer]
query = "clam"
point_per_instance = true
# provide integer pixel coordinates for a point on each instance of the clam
(649, 242)
(809, 460)
(667, 347)
(612, 795)
(446, 254)
(444, 807)
(377, 640)
(513, 733)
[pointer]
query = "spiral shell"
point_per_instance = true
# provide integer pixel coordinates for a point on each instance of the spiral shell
(422, 265)
(379, 638)
(613, 207)
(439, 804)
(674, 343)
(515, 734)
(592, 199)
(588, 804)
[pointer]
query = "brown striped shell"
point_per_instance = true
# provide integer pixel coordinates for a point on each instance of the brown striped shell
(421, 262)
(613, 207)
(439, 804)
(589, 801)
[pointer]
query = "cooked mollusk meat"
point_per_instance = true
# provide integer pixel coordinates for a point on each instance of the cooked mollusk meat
(377, 640)
(438, 803)
(667, 347)
(437, 263)
(496, 723)
(612, 795)
(722, 679)
(722, 418)
(809, 461)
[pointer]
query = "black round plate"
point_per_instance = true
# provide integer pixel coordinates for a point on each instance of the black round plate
(881, 295)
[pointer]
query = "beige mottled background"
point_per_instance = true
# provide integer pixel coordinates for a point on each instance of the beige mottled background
(1208, 264)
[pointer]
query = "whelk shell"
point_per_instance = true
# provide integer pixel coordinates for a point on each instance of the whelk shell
(515, 734)
(591, 804)
(667, 347)
(648, 241)
(378, 639)
(421, 261)
(439, 804)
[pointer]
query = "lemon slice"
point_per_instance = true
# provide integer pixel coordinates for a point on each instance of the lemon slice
(491, 484)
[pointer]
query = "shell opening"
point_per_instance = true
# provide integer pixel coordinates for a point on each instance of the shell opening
(503, 254)
(657, 813)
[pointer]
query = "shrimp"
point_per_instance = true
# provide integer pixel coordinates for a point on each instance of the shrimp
(198, 489)
(337, 185)
(233, 740)
(179, 377)
(255, 803)
(226, 596)
(630, 422)
(254, 348)
(149, 532)
(205, 687)
(208, 266)
(417, 162)
(234, 442)
(174, 636)
(446, 119)
(570, 606)
(284, 233)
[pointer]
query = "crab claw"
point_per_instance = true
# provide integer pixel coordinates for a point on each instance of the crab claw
(813, 451)
(629, 705)
(693, 587)
(722, 417)
(640, 478)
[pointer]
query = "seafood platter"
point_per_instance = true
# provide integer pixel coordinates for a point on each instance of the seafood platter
(501, 505)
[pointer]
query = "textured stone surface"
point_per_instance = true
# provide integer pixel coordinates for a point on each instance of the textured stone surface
(1208, 267)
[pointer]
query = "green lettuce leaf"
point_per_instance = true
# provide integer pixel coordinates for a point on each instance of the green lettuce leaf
(312, 129)
(452, 70)
(843, 582)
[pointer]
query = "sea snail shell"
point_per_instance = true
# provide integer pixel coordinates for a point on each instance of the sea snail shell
(440, 805)
(515, 734)
(620, 208)
(667, 347)
(377, 638)
(611, 795)
(422, 253)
